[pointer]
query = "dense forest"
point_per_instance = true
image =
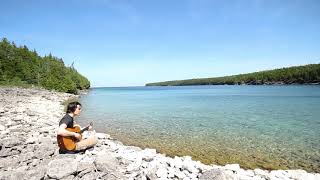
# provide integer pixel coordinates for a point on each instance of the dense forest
(20, 66)
(308, 74)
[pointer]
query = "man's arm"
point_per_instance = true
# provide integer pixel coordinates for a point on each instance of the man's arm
(76, 124)
(63, 132)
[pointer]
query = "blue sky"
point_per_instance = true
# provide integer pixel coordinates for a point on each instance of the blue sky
(133, 42)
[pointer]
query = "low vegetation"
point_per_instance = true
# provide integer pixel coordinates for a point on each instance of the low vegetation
(308, 74)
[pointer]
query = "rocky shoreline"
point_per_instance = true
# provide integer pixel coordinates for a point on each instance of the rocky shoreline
(28, 149)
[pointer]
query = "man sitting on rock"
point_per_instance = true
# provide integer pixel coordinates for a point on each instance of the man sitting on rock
(73, 109)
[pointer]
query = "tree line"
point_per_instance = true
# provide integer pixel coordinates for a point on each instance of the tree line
(21, 66)
(307, 74)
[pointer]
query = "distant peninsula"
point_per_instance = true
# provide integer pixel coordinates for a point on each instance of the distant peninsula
(307, 74)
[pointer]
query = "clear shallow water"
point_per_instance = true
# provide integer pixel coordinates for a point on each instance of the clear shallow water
(256, 126)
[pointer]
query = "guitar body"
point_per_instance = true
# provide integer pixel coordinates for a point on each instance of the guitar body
(69, 142)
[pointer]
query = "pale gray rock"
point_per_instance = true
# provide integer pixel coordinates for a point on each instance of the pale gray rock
(279, 174)
(30, 148)
(62, 156)
(20, 130)
(112, 145)
(301, 175)
(9, 162)
(171, 172)
(31, 140)
(86, 166)
(150, 171)
(46, 130)
(11, 123)
(177, 162)
(254, 178)
(45, 140)
(12, 141)
(91, 176)
(180, 174)
(134, 166)
(94, 151)
(35, 162)
(193, 176)
(60, 168)
(36, 173)
(231, 175)
(5, 175)
(148, 154)
(189, 165)
(4, 152)
(2, 128)
(232, 167)
(244, 174)
(113, 176)
(214, 174)
(262, 173)
(186, 173)
(249, 173)
(31, 113)
(18, 175)
(142, 177)
(128, 154)
(19, 110)
(70, 177)
(44, 151)
(84, 172)
(133, 148)
(27, 156)
(106, 163)
(162, 172)
(18, 118)
(101, 136)
(5, 132)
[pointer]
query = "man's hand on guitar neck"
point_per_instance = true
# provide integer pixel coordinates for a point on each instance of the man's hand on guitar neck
(90, 128)
(77, 135)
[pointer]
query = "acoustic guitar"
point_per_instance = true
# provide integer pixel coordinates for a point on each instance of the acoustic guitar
(68, 143)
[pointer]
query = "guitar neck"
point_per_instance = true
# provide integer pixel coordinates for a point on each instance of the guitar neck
(85, 129)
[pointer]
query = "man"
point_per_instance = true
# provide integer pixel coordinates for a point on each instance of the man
(73, 110)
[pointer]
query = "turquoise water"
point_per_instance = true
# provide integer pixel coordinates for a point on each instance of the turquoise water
(268, 127)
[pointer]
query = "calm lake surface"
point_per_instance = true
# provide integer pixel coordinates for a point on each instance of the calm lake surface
(255, 126)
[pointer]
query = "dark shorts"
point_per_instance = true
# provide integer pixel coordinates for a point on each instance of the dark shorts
(74, 151)
(71, 152)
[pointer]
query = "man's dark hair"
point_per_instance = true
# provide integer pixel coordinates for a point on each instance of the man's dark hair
(72, 107)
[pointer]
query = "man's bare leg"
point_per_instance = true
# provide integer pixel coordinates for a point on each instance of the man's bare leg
(86, 143)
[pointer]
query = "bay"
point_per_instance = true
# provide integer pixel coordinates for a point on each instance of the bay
(270, 127)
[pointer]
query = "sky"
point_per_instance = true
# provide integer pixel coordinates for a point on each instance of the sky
(133, 42)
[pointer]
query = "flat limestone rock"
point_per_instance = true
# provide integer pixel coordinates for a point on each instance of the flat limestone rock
(60, 168)
(106, 163)
(36, 173)
(12, 141)
(214, 174)
(9, 162)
